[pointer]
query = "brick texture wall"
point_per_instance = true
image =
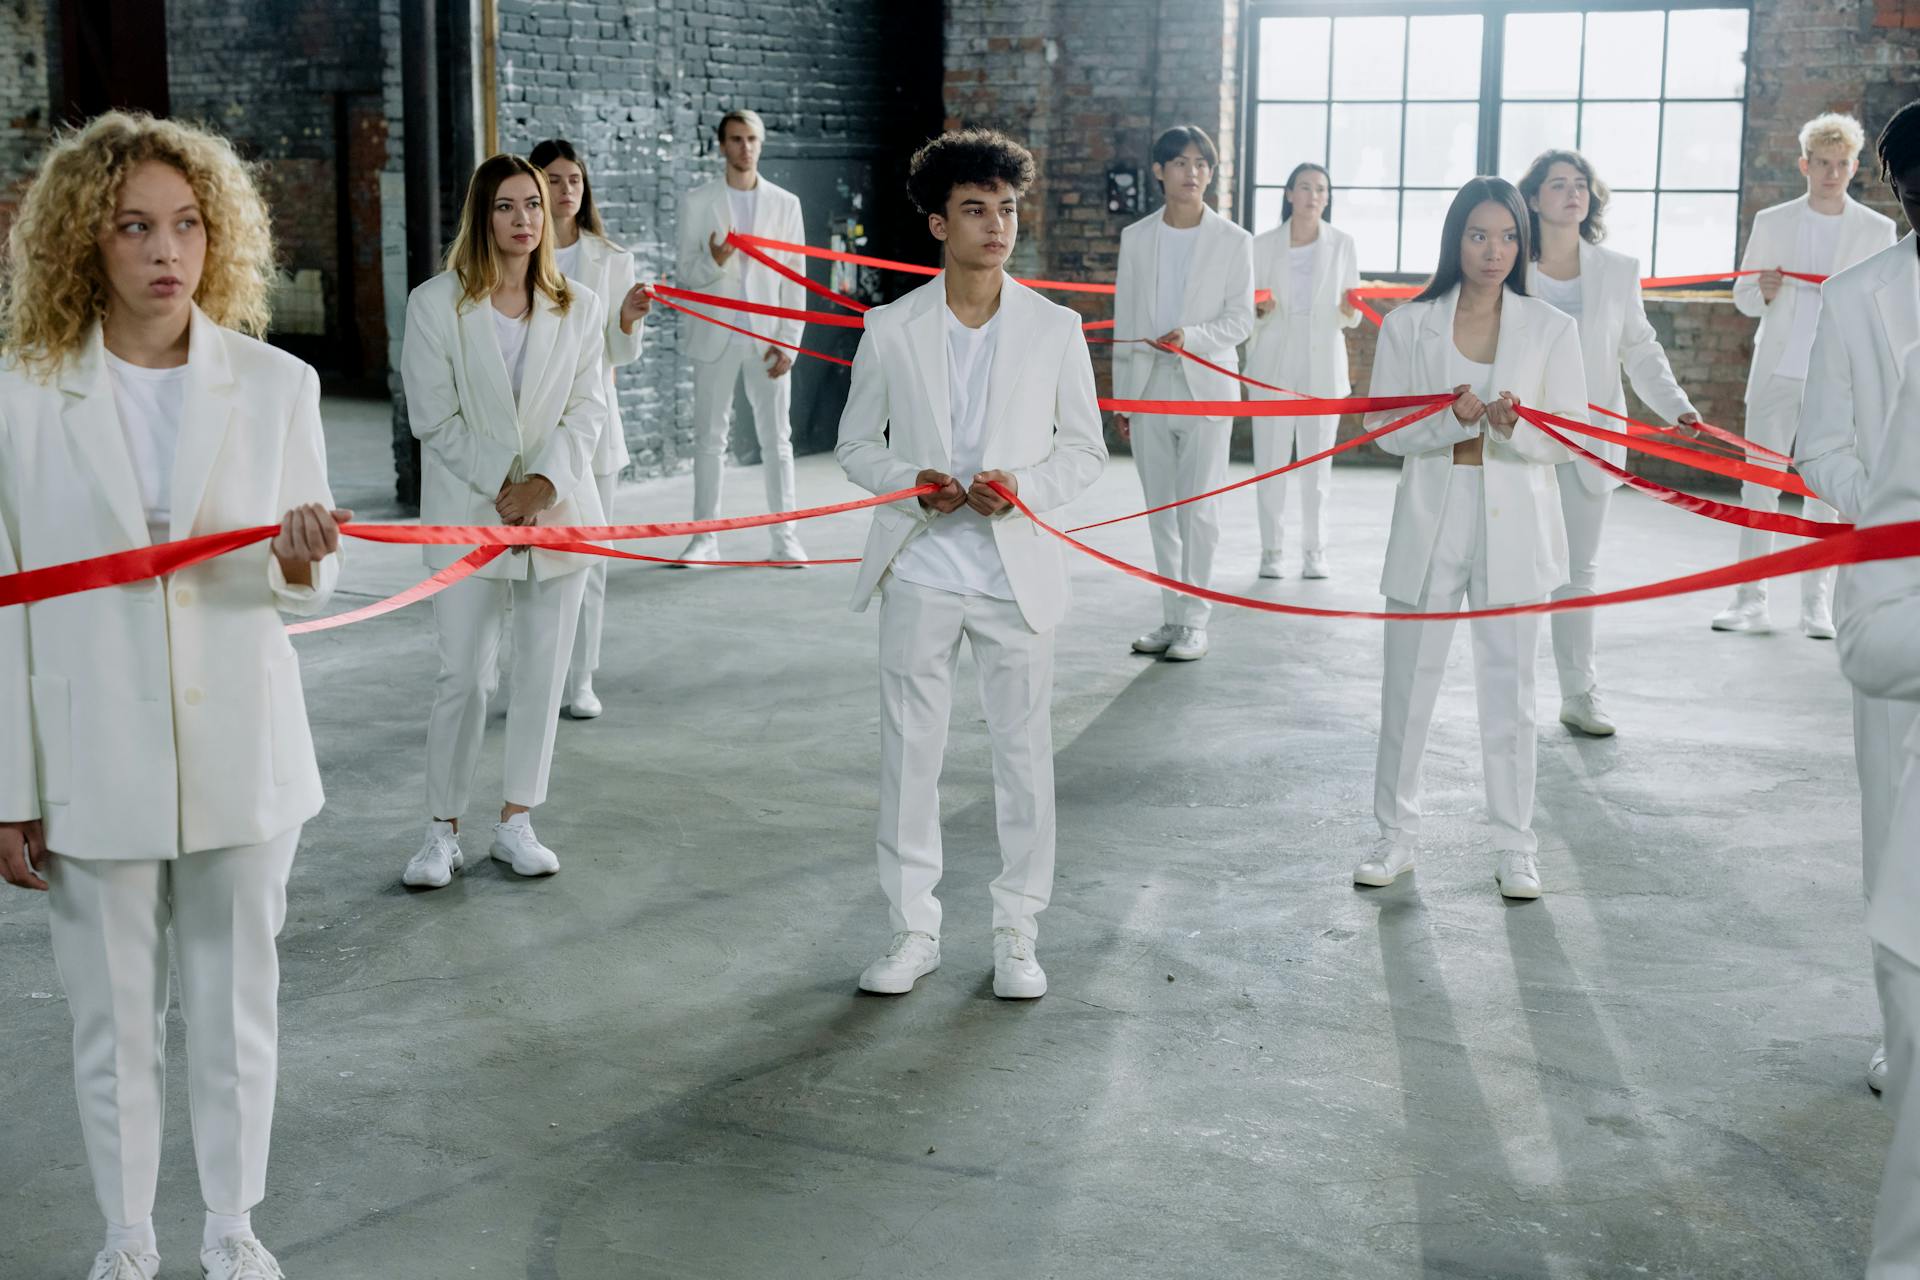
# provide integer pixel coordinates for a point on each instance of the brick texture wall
(23, 97)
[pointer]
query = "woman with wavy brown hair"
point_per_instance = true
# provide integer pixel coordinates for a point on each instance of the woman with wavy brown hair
(161, 781)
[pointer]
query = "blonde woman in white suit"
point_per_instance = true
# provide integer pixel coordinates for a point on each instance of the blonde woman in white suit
(155, 762)
(1475, 518)
(1299, 342)
(583, 253)
(506, 389)
(1600, 289)
(1185, 280)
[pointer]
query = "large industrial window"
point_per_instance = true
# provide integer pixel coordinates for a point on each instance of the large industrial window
(1405, 101)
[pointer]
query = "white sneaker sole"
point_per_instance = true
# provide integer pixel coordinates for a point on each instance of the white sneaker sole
(1154, 649)
(895, 986)
(1742, 627)
(1273, 573)
(458, 861)
(1588, 728)
(1817, 632)
(1184, 655)
(501, 856)
(1019, 990)
(1379, 880)
(577, 713)
(1517, 893)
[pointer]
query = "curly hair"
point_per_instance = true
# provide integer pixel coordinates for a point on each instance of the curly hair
(966, 157)
(1593, 227)
(53, 288)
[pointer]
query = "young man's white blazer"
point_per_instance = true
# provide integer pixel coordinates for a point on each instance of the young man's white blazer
(707, 212)
(1216, 312)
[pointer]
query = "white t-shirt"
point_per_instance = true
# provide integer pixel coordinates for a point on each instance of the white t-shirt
(1300, 260)
(568, 259)
(512, 334)
(957, 552)
(1477, 376)
(150, 402)
(1561, 294)
(1170, 287)
(744, 205)
(1813, 253)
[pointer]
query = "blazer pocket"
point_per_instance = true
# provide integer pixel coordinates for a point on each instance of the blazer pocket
(287, 719)
(53, 733)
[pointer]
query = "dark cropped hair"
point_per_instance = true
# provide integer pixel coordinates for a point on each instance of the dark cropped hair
(1170, 144)
(966, 157)
(1899, 144)
(1593, 228)
(1286, 196)
(544, 154)
(1476, 192)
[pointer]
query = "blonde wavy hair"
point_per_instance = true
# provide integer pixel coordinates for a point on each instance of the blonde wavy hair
(475, 256)
(1832, 129)
(52, 286)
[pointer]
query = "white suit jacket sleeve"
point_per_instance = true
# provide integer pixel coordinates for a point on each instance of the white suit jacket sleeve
(19, 771)
(1349, 281)
(1564, 394)
(1645, 360)
(1079, 449)
(622, 347)
(1825, 450)
(433, 402)
(1235, 321)
(565, 457)
(1746, 289)
(303, 479)
(694, 263)
(792, 295)
(1880, 606)
(1393, 366)
(862, 451)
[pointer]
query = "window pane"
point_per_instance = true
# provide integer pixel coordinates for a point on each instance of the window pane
(1293, 57)
(1372, 218)
(1420, 225)
(1266, 208)
(1528, 128)
(1443, 57)
(1700, 146)
(1616, 137)
(1443, 142)
(1542, 58)
(1288, 135)
(1366, 138)
(1696, 233)
(1369, 55)
(1629, 222)
(1623, 55)
(1707, 53)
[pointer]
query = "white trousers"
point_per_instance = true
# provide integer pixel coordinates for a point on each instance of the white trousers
(468, 619)
(1276, 442)
(593, 596)
(920, 632)
(109, 922)
(1773, 419)
(1586, 519)
(1880, 729)
(770, 400)
(1896, 1220)
(1178, 457)
(1416, 659)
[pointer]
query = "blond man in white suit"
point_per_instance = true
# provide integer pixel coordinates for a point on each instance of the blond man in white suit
(506, 392)
(970, 381)
(741, 200)
(156, 766)
(1185, 280)
(1821, 233)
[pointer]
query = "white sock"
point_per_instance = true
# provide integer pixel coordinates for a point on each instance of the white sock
(222, 1225)
(136, 1238)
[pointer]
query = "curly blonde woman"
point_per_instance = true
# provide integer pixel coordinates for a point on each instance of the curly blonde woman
(163, 777)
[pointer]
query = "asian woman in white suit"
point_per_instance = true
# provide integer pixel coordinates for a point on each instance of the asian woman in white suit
(164, 772)
(1600, 289)
(1475, 517)
(506, 389)
(583, 253)
(1299, 342)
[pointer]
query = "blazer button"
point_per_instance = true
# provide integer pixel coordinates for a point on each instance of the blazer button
(192, 697)
(183, 597)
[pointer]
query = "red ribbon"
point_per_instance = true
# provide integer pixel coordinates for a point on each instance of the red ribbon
(772, 342)
(745, 245)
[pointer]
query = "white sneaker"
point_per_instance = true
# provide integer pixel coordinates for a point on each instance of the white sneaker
(438, 859)
(1016, 974)
(1583, 712)
(582, 702)
(1877, 1070)
(1817, 622)
(704, 546)
(1157, 640)
(1270, 566)
(118, 1264)
(1189, 646)
(787, 548)
(240, 1258)
(1517, 876)
(1744, 614)
(515, 844)
(911, 957)
(1387, 863)
(1315, 565)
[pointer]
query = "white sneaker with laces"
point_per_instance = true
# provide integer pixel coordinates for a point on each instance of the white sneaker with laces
(118, 1264)
(1017, 975)
(1517, 876)
(240, 1258)
(704, 546)
(1388, 862)
(1746, 613)
(1584, 712)
(1270, 566)
(515, 844)
(1189, 646)
(438, 859)
(786, 547)
(1157, 640)
(1817, 622)
(1877, 1070)
(1315, 565)
(910, 957)
(582, 702)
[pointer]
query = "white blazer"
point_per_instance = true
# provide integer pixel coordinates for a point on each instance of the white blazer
(1043, 427)
(473, 435)
(1775, 242)
(1879, 615)
(607, 269)
(1615, 331)
(706, 211)
(167, 717)
(1217, 312)
(1336, 269)
(1539, 361)
(1869, 322)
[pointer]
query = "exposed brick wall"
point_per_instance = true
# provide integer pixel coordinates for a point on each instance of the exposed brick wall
(23, 97)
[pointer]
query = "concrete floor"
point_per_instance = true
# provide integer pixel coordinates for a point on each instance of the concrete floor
(655, 1064)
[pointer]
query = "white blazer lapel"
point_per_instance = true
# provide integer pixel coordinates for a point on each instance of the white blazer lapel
(487, 371)
(92, 421)
(1323, 255)
(1516, 345)
(1010, 351)
(928, 334)
(206, 409)
(543, 334)
(1897, 301)
(1436, 344)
